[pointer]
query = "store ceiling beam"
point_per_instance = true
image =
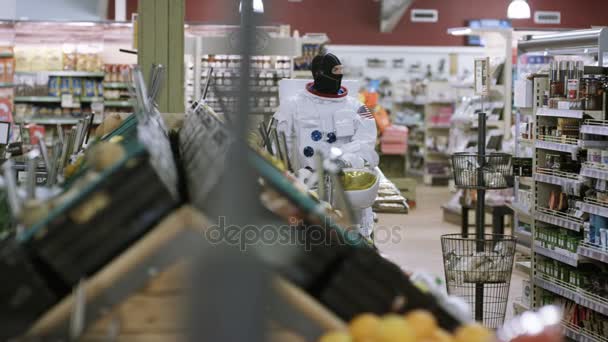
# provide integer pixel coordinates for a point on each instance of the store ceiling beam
(391, 12)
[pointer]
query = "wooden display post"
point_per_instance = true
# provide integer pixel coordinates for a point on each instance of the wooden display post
(161, 41)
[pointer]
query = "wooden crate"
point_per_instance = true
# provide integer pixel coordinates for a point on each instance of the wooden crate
(150, 313)
(153, 312)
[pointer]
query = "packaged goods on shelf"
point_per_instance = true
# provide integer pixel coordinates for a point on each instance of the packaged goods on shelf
(117, 73)
(394, 140)
(7, 65)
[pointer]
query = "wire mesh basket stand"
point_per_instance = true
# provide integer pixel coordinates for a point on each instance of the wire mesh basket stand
(474, 171)
(481, 278)
(479, 268)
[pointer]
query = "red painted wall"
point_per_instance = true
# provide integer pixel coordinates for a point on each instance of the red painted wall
(357, 21)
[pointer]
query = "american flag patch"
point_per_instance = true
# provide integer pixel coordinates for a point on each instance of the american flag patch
(365, 113)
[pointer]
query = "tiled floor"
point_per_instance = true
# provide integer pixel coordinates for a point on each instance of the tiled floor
(413, 240)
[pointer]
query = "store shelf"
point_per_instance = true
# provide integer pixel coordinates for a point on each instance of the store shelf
(302, 74)
(580, 335)
(559, 147)
(519, 209)
(557, 218)
(556, 286)
(116, 85)
(597, 127)
(520, 307)
(593, 252)
(437, 154)
(585, 144)
(7, 85)
(524, 266)
(64, 73)
(570, 181)
(118, 103)
(525, 142)
(558, 254)
(489, 124)
(91, 99)
(524, 238)
(560, 113)
(577, 295)
(595, 170)
(594, 207)
(55, 120)
(439, 126)
(205, 69)
(54, 99)
(528, 181)
(39, 99)
(415, 172)
(570, 332)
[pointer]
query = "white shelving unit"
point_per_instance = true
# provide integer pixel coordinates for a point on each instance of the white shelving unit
(595, 170)
(597, 127)
(434, 133)
(273, 45)
(547, 180)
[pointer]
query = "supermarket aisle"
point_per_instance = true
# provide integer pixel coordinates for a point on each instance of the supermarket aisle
(415, 244)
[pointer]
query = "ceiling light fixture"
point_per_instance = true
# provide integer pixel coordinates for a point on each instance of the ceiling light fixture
(258, 6)
(519, 9)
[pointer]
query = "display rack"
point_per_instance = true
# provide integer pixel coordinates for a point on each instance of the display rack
(438, 111)
(54, 59)
(212, 49)
(561, 235)
(503, 47)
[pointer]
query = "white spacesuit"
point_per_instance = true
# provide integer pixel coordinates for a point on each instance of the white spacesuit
(323, 116)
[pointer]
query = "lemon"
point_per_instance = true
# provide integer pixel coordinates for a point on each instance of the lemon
(336, 336)
(364, 327)
(473, 333)
(423, 323)
(394, 328)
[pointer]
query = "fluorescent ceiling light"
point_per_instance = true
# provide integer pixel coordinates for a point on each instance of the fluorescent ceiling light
(519, 9)
(258, 6)
(464, 31)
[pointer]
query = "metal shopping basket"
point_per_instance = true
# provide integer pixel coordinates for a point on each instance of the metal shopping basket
(490, 171)
(478, 270)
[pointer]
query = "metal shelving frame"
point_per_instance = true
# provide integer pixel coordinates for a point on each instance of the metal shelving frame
(577, 42)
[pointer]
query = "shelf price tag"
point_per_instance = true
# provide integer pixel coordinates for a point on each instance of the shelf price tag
(69, 101)
(482, 76)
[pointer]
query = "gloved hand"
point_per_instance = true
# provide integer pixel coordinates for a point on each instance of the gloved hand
(353, 161)
(307, 177)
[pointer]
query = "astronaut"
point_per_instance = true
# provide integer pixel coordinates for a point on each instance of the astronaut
(323, 116)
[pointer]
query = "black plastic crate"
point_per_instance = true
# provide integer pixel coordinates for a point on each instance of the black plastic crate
(131, 201)
(24, 293)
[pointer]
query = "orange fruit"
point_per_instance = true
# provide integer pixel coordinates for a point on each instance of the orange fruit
(473, 333)
(423, 323)
(364, 327)
(394, 328)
